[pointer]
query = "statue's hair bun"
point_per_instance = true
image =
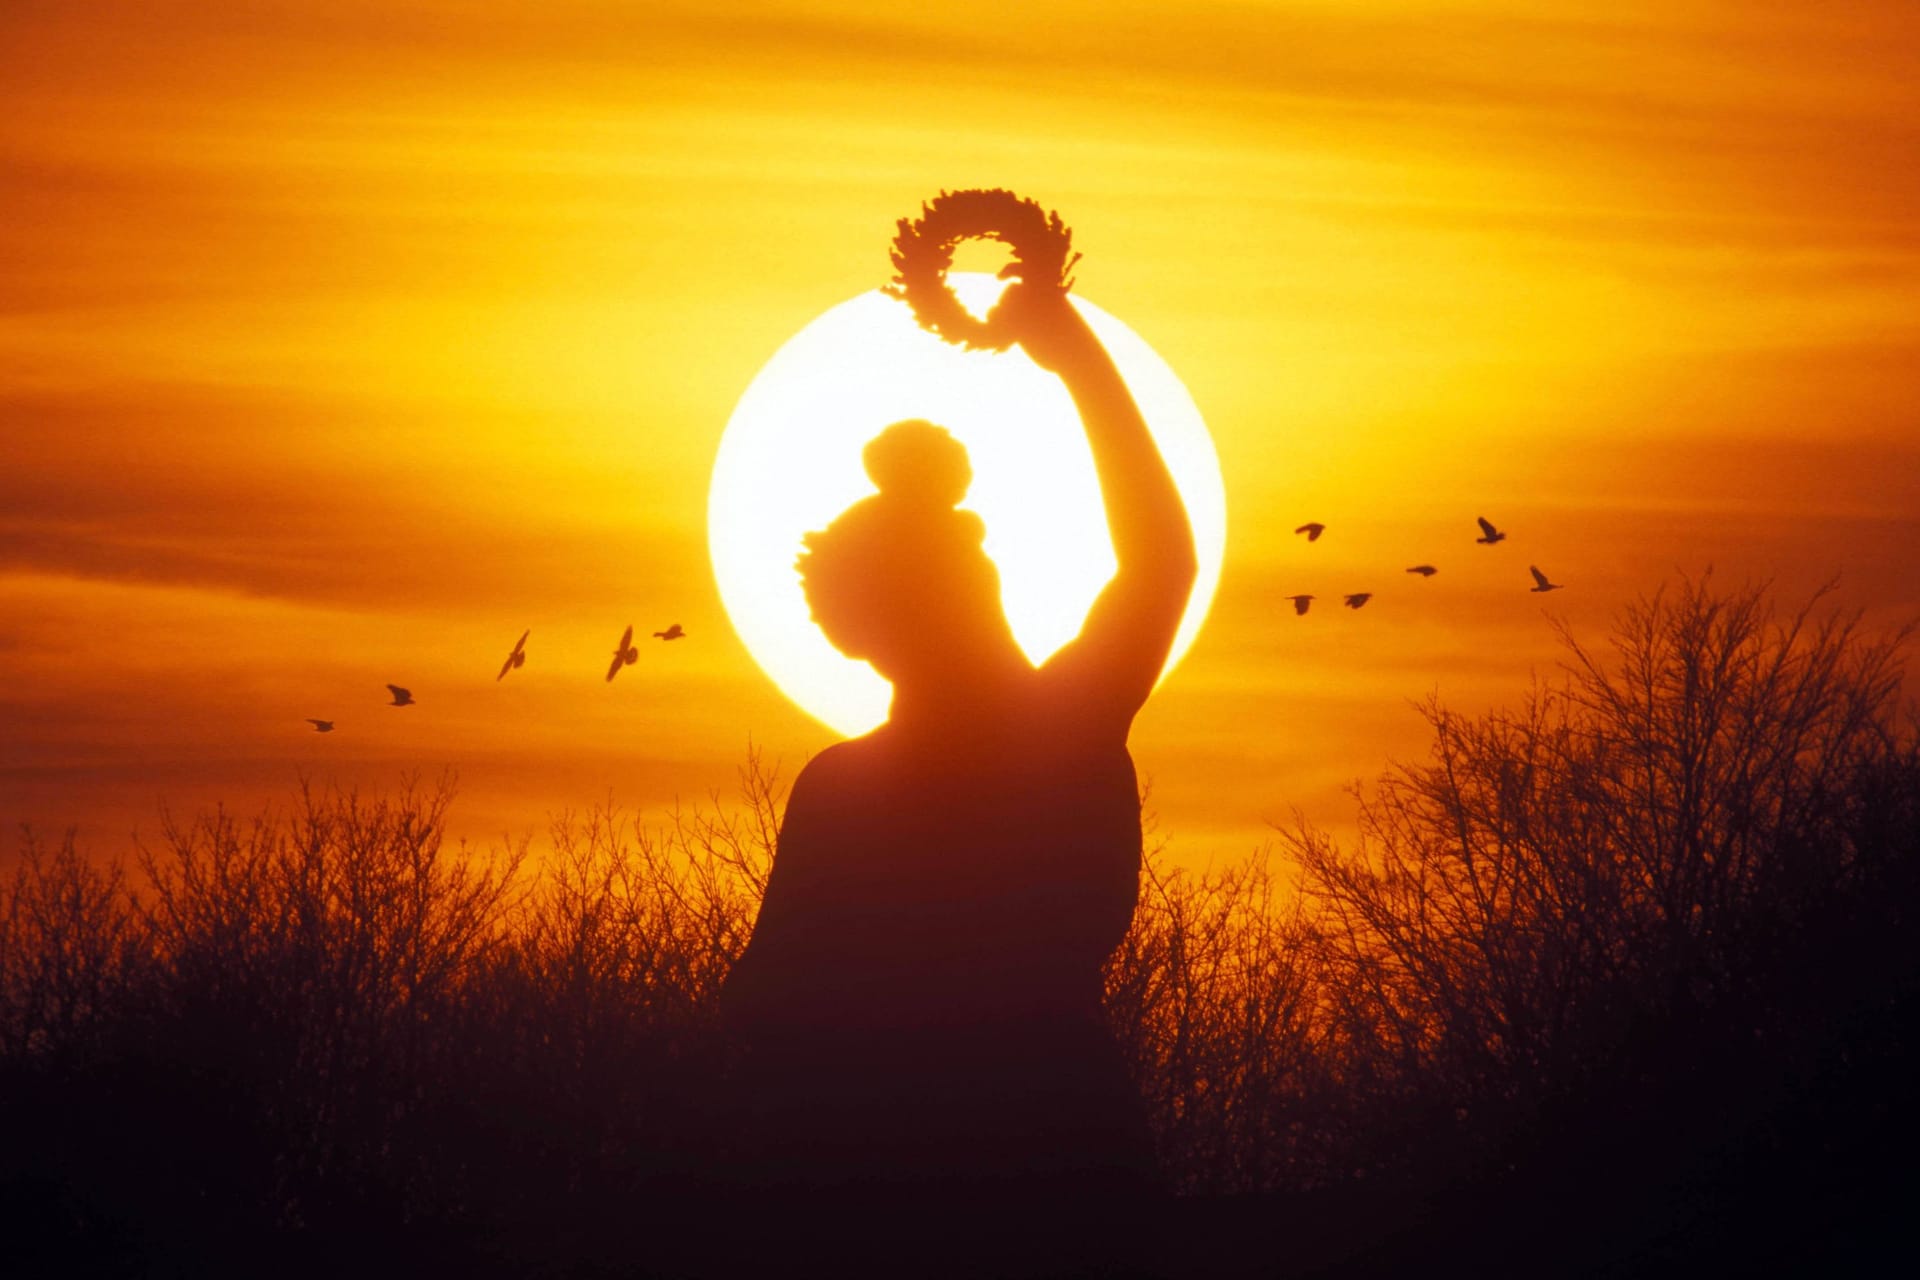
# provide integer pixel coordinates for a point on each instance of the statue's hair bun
(918, 462)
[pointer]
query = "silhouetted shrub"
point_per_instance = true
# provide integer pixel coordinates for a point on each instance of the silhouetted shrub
(596, 1024)
(1214, 998)
(71, 945)
(328, 1026)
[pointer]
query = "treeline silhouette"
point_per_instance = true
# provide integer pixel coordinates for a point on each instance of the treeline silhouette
(1621, 981)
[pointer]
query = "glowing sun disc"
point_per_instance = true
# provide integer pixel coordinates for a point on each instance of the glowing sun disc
(789, 462)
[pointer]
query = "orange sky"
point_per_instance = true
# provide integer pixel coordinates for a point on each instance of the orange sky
(341, 341)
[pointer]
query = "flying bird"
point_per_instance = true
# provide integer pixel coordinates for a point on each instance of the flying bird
(1358, 598)
(1540, 581)
(1424, 570)
(1489, 534)
(1313, 529)
(320, 726)
(1300, 603)
(401, 697)
(671, 633)
(625, 654)
(518, 658)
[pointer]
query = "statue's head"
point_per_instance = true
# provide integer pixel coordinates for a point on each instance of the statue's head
(901, 579)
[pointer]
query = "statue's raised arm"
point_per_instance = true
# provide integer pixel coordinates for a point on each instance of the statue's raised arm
(1128, 632)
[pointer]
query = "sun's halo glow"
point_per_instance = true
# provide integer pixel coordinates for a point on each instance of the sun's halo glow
(789, 462)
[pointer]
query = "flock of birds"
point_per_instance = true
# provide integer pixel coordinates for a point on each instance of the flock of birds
(1355, 599)
(625, 654)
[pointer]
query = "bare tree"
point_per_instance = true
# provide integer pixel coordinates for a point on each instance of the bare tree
(70, 947)
(1553, 878)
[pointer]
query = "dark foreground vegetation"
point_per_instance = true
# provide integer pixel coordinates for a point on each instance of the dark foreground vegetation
(1623, 981)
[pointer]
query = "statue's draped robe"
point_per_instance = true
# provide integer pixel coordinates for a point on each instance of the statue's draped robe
(921, 1000)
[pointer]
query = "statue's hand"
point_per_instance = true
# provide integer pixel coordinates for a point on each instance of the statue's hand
(1041, 319)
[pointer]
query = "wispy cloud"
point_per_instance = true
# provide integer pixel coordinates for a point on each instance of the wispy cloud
(364, 331)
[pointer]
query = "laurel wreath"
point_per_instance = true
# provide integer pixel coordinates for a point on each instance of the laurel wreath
(923, 253)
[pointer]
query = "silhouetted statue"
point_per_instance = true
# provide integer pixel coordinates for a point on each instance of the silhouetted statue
(920, 1005)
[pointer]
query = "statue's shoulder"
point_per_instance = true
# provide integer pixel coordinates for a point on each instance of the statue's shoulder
(832, 771)
(842, 757)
